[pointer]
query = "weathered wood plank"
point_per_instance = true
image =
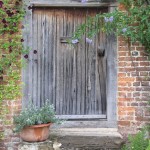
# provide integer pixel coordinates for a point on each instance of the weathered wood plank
(29, 70)
(64, 63)
(54, 64)
(79, 59)
(64, 74)
(101, 73)
(46, 75)
(61, 57)
(39, 56)
(27, 35)
(50, 56)
(42, 38)
(75, 87)
(35, 59)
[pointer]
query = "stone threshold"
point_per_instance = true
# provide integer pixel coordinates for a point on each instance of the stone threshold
(87, 138)
(78, 139)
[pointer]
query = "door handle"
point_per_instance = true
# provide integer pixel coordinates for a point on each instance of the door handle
(101, 51)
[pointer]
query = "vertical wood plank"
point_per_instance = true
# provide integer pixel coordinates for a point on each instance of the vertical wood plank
(72, 78)
(54, 57)
(35, 60)
(50, 58)
(61, 58)
(101, 74)
(46, 58)
(39, 53)
(27, 35)
(42, 57)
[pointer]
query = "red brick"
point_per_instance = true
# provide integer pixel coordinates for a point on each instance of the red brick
(127, 58)
(132, 48)
(122, 64)
(125, 99)
(122, 94)
(146, 88)
(128, 74)
(122, 83)
(122, 43)
(147, 113)
(138, 89)
(136, 84)
(121, 113)
(124, 123)
(134, 104)
(127, 79)
(132, 109)
(144, 63)
(139, 118)
(121, 74)
(122, 104)
(143, 78)
(140, 48)
(135, 74)
(128, 118)
(125, 89)
(129, 95)
(143, 73)
(130, 113)
(136, 94)
(146, 94)
(126, 69)
(142, 99)
(124, 53)
(143, 104)
(132, 64)
(143, 68)
(141, 59)
(146, 83)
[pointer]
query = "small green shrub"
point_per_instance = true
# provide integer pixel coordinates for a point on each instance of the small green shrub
(33, 115)
(137, 142)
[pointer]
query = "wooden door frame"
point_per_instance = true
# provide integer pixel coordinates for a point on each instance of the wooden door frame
(111, 120)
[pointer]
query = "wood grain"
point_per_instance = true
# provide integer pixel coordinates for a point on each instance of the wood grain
(73, 78)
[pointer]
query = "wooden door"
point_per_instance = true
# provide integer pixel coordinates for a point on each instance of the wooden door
(73, 78)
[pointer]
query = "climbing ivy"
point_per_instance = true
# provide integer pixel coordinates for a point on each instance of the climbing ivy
(11, 48)
(133, 23)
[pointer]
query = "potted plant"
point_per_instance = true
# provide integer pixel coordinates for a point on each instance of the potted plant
(33, 122)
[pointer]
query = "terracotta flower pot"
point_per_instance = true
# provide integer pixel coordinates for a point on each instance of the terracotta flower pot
(35, 133)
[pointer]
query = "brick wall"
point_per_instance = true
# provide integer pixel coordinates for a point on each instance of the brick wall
(133, 87)
(9, 140)
(133, 95)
